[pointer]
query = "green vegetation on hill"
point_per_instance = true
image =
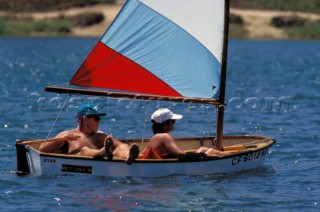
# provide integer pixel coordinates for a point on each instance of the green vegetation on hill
(34, 28)
(307, 32)
(46, 5)
(62, 25)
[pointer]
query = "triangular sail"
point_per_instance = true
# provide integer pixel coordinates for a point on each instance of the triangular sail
(160, 47)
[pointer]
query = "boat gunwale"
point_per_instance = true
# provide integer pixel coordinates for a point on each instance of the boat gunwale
(269, 143)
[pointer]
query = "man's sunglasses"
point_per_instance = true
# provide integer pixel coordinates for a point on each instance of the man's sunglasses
(95, 118)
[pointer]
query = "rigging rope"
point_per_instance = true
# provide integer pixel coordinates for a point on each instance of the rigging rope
(64, 104)
(145, 123)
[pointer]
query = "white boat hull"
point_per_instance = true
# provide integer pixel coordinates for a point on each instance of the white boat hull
(50, 164)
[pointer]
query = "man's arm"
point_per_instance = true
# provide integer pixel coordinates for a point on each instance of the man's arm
(50, 147)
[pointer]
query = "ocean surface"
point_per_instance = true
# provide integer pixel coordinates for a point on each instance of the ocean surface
(273, 89)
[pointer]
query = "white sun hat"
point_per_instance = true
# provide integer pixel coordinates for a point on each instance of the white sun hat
(163, 114)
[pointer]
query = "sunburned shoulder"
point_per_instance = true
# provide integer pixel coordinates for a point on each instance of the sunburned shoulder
(66, 132)
(74, 131)
(99, 135)
(163, 136)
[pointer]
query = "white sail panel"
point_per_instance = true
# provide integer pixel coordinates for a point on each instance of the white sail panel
(203, 19)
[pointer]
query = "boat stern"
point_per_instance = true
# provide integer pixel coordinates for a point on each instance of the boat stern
(22, 161)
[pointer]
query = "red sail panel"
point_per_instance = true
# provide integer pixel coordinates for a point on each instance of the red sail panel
(106, 68)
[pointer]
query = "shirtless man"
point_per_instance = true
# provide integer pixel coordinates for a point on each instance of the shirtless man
(164, 145)
(87, 140)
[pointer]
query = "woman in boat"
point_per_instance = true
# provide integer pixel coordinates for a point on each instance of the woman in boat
(87, 140)
(162, 145)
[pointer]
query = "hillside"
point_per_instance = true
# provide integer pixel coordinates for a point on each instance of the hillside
(312, 6)
(91, 19)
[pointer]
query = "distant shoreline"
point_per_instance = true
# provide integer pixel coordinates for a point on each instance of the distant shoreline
(256, 23)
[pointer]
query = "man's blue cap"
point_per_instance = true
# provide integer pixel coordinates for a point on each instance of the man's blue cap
(88, 109)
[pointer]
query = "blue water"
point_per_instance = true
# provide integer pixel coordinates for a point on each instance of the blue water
(272, 90)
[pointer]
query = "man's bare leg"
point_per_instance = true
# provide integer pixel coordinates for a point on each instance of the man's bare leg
(108, 145)
(123, 151)
(96, 153)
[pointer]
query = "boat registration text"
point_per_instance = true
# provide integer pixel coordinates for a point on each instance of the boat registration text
(249, 157)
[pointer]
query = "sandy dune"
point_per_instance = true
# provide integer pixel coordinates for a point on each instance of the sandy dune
(257, 22)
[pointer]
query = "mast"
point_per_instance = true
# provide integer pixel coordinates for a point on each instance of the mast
(220, 108)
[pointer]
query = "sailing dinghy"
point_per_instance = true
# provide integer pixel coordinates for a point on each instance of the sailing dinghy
(168, 50)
